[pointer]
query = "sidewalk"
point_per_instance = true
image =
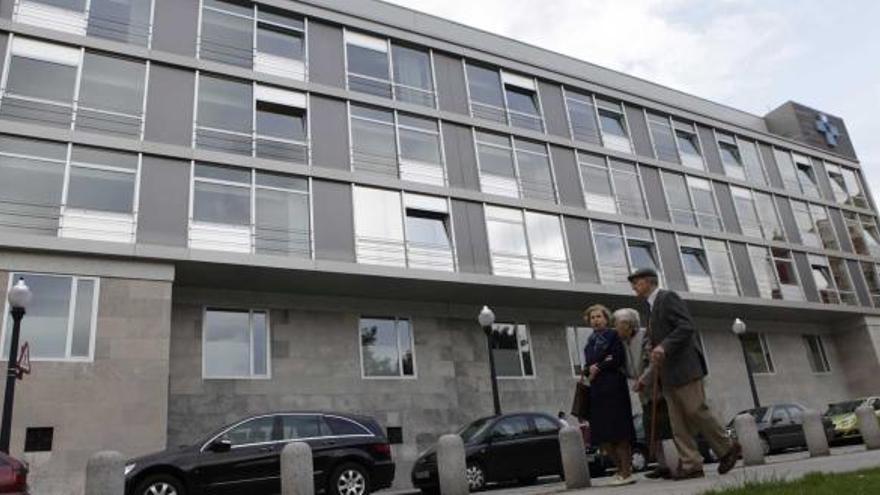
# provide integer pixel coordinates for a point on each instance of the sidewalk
(779, 467)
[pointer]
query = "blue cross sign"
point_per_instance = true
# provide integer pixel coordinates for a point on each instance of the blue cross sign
(828, 129)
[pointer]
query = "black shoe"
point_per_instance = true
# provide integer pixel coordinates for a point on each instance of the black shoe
(689, 475)
(726, 463)
(658, 473)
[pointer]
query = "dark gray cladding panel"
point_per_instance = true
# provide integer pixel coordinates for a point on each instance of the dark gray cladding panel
(169, 114)
(567, 180)
(329, 131)
(461, 160)
(451, 90)
(858, 278)
(806, 275)
(638, 126)
(554, 109)
(841, 230)
(175, 24)
(654, 193)
(788, 223)
(747, 283)
(822, 177)
(771, 167)
(334, 221)
(4, 40)
(710, 149)
(670, 257)
(728, 212)
(472, 245)
(580, 245)
(326, 54)
(164, 201)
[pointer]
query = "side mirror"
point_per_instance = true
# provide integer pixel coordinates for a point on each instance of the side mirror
(222, 444)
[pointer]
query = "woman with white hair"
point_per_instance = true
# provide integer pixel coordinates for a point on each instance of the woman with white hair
(638, 366)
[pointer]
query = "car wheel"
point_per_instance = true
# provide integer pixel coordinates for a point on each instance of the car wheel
(765, 446)
(349, 479)
(476, 477)
(160, 484)
(639, 460)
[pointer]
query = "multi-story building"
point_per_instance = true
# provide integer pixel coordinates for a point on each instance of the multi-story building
(226, 207)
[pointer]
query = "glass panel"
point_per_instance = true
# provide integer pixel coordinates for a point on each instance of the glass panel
(506, 231)
(258, 430)
(767, 214)
(416, 144)
(752, 162)
(664, 140)
(765, 274)
(612, 123)
(102, 190)
(854, 187)
(838, 184)
(30, 191)
(81, 339)
(545, 236)
(824, 227)
(485, 86)
(522, 100)
(507, 357)
(704, 204)
(679, 199)
(534, 171)
(696, 268)
(746, 213)
(628, 189)
(45, 326)
(872, 278)
(843, 282)
(805, 224)
(787, 276)
(371, 64)
(278, 41)
(281, 121)
(525, 350)
(610, 253)
(282, 224)
(41, 79)
(299, 426)
(378, 214)
(807, 177)
(731, 160)
(689, 146)
(412, 74)
(222, 172)
(227, 343)
(427, 228)
(225, 104)
(723, 276)
(642, 254)
(373, 144)
(758, 358)
(127, 21)
(112, 83)
(227, 38)
(597, 188)
(816, 354)
(582, 116)
(220, 203)
(786, 169)
(379, 347)
(260, 343)
(280, 18)
(405, 338)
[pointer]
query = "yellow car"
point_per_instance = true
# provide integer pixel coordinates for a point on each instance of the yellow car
(843, 416)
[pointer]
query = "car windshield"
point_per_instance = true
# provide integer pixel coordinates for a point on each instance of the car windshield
(843, 407)
(473, 429)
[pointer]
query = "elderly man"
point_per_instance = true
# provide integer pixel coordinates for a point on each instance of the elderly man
(674, 355)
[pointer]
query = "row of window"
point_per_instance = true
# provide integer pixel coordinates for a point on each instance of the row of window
(269, 41)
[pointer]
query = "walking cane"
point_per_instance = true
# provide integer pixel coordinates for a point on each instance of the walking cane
(652, 446)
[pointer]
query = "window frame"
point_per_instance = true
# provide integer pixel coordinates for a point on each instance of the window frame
(519, 351)
(12, 276)
(517, 174)
(251, 311)
(505, 110)
(776, 259)
(578, 96)
(401, 375)
(823, 362)
(691, 129)
(766, 354)
(605, 104)
(652, 117)
(627, 240)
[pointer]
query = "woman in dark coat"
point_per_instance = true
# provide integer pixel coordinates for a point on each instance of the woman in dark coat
(611, 423)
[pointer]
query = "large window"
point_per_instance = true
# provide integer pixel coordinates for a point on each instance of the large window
(746, 212)
(789, 283)
(758, 353)
(235, 344)
(387, 349)
(396, 145)
(41, 84)
(832, 280)
(752, 162)
(871, 271)
(721, 265)
(61, 317)
(577, 338)
(846, 185)
(769, 217)
(787, 170)
(816, 354)
(514, 167)
(691, 201)
(247, 211)
(378, 67)
(526, 244)
(615, 133)
(863, 232)
(512, 349)
(806, 176)
(688, 145)
(731, 159)
(504, 97)
(251, 119)
(663, 138)
(765, 272)
(582, 117)
(97, 203)
(612, 187)
(621, 251)
(843, 282)
(806, 225)
(824, 227)
(253, 36)
(384, 237)
(127, 21)
(696, 264)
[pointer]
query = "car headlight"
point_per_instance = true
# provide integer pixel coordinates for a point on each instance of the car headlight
(129, 468)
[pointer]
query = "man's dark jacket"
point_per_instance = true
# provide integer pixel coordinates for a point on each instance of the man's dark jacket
(672, 327)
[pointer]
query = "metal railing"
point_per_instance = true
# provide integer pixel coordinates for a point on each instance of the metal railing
(389, 89)
(251, 144)
(250, 239)
(57, 114)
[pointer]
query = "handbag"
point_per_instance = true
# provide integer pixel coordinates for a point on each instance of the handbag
(580, 406)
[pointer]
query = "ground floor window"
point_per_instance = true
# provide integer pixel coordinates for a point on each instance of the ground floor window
(61, 317)
(816, 354)
(758, 353)
(387, 349)
(235, 344)
(512, 349)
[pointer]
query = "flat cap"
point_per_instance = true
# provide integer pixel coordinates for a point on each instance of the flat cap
(642, 273)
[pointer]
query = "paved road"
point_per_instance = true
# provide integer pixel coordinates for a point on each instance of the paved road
(778, 467)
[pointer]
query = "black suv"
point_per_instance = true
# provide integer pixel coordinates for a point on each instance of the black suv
(351, 457)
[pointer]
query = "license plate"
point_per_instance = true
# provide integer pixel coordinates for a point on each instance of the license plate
(422, 475)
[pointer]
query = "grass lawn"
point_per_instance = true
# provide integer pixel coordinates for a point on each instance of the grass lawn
(855, 483)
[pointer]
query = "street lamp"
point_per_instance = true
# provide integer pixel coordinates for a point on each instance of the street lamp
(19, 297)
(486, 319)
(739, 329)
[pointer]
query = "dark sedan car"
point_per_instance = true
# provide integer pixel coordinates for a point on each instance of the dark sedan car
(518, 446)
(351, 457)
(781, 427)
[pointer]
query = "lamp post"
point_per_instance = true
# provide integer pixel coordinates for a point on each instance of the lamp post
(739, 329)
(19, 297)
(486, 318)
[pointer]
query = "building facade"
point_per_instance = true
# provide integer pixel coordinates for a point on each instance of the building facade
(229, 207)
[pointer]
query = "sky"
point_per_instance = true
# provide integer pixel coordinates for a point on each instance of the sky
(753, 55)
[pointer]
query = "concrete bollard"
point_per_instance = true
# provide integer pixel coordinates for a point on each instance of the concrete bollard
(814, 432)
(451, 465)
(748, 438)
(869, 427)
(105, 474)
(574, 458)
(671, 458)
(297, 469)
